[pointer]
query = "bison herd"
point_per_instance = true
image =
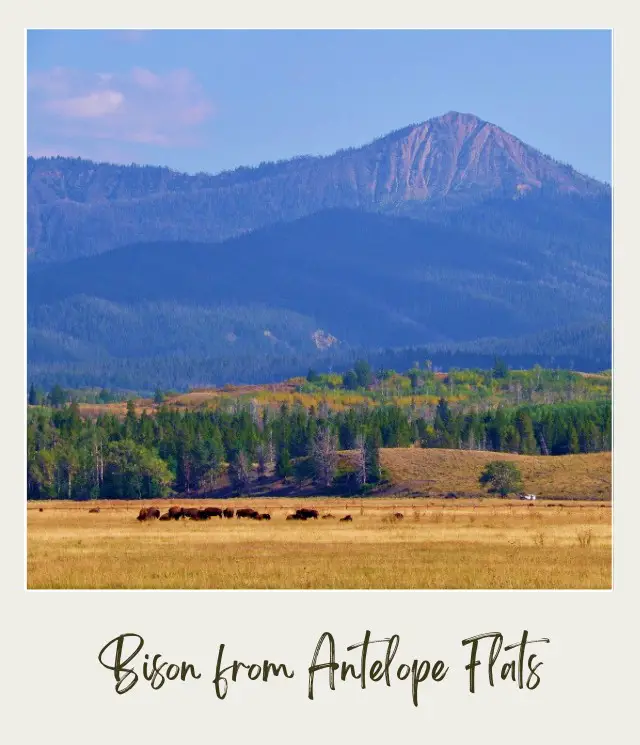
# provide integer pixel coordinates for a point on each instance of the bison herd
(195, 513)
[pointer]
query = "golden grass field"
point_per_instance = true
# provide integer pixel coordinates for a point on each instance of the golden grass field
(439, 544)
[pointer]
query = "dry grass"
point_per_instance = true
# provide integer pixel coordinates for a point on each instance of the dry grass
(463, 544)
(441, 471)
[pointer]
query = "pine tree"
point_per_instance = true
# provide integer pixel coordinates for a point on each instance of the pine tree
(33, 396)
(372, 458)
(57, 396)
(573, 441)
(284, 467)
(524, 425)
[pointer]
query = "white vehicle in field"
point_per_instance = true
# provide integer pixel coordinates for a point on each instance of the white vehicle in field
(530, 497)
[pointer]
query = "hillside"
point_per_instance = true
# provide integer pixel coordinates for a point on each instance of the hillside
(78, 207)
(435, 472)
(307, 291)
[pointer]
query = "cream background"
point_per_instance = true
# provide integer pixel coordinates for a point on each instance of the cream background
(53, 688)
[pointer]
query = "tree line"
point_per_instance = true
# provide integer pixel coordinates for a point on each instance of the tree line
(187, 452)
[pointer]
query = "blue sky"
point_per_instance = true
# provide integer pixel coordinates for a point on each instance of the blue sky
(215, 100)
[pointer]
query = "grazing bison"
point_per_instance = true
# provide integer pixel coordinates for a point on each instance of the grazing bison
(247, 512)
(265, 516)
(175, 512)
(166, 516)
(213, 512)
(328, 516)
(398, 515)
(94, 509)
(148, 513)
(192, 512)
(346, 519)
(305, 514)
(228, 512)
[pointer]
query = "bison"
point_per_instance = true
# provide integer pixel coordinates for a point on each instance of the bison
(228, 512)
(148, 513)
(265, 516)
(346, 519)
(295, 516)
(247, 512)
(41, 509)
(398, 515)
(94, 509)
(306, 514)
(192, 512)
(213, 512)
(175, 512)
(166, 516)
(328, 516)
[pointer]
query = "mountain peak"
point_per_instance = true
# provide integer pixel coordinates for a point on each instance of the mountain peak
(454, 156)
(459, 154)
(458, 115)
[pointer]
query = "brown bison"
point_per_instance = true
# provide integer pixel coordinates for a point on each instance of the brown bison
(247, 512)
(295, 516)
(149, 513)
(306, 514)
(175, 512)
(213, 512)
(166, 516)
(192, 512)
(346, 519)
(398, 515)
(94, 509)
(228, 512)
(265, 516)
(41, 509)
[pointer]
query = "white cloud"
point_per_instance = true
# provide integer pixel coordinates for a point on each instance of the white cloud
(145, 78)
(93, 105)
(140, 106)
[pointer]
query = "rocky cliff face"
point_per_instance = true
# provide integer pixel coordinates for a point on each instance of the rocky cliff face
(453, 154)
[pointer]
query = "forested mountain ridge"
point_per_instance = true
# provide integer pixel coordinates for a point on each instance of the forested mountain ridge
(365, 281)
(451, 236)
(79, 208)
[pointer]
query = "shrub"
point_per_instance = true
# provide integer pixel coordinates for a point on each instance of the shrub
(502, 477)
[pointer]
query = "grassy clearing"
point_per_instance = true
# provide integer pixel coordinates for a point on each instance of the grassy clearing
(435, 471)
(464, 544)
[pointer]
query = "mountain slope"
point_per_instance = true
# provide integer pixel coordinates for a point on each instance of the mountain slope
(366, 279)
(80, 208)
